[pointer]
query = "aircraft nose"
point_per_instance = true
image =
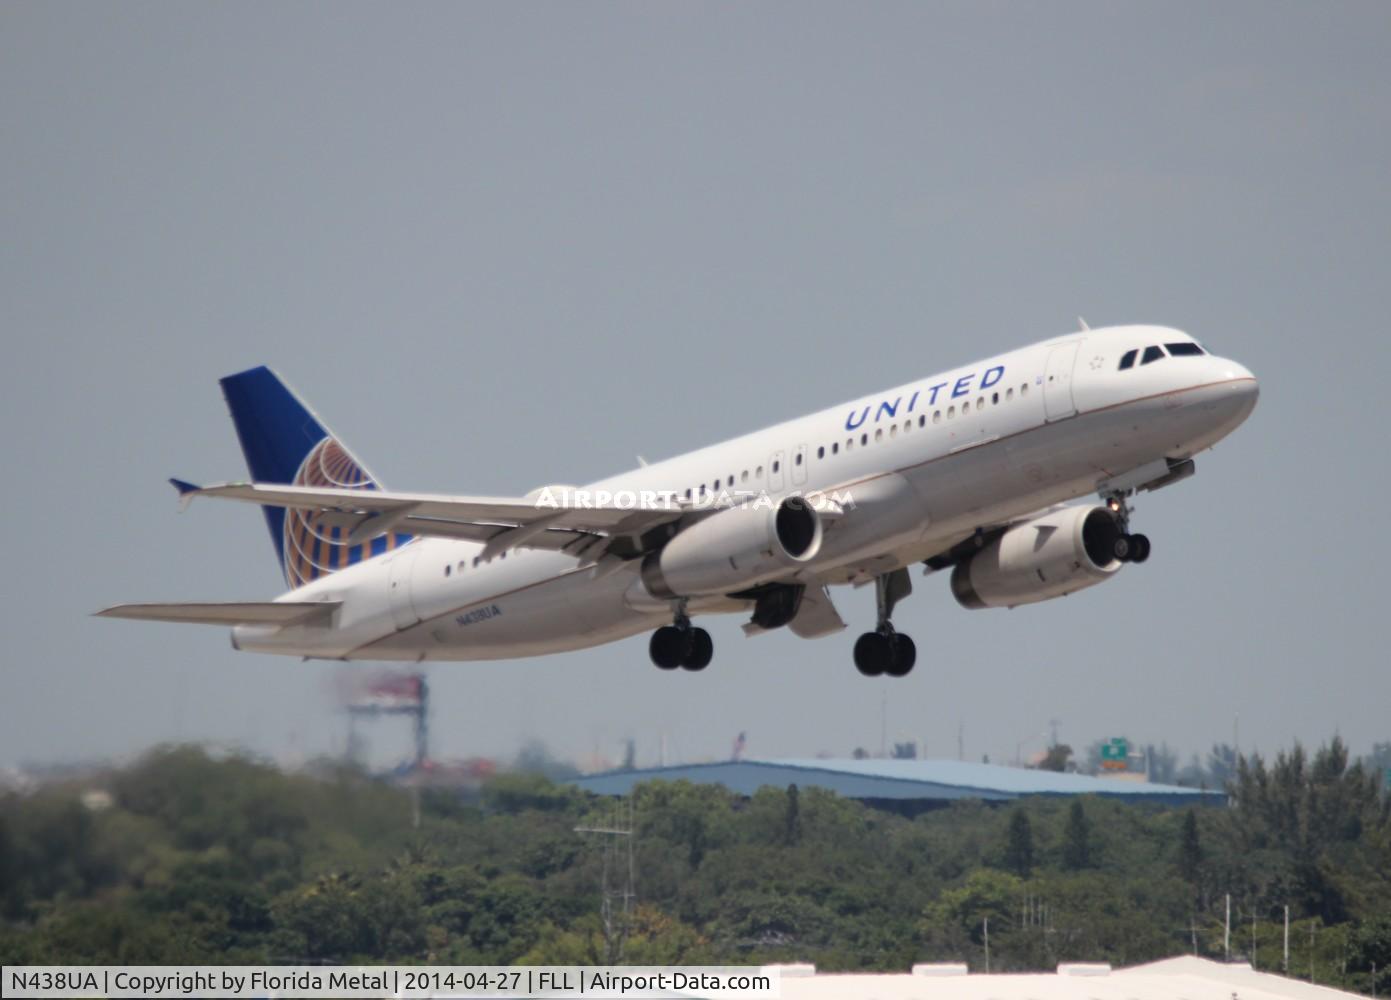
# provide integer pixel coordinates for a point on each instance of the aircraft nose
(1240, 378)
(1241, 388)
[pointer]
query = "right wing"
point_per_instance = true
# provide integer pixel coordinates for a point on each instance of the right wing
(233, 613)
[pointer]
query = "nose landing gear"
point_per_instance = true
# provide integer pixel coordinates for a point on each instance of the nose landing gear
(886, 651)
(681, 644)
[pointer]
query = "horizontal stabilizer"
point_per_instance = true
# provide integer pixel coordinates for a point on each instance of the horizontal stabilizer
(229, 613)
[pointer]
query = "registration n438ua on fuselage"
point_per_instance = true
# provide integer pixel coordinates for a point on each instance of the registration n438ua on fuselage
(969, 472)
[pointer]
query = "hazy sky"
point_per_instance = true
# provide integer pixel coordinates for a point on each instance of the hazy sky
(500, 245)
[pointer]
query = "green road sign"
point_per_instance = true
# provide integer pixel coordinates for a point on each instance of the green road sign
(1116, 749)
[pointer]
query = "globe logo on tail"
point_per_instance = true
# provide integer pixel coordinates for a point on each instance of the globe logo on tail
(315, 542)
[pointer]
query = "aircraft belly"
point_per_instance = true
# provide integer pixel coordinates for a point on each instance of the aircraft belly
(562, 612)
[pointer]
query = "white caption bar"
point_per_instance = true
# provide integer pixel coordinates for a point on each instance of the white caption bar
(351, 982)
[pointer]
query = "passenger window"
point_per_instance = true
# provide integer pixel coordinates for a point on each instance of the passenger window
(980, 403)
(1009, 394)
(448, 570)
(1024, 389)
(922, 420)
(1152, 354)
(864, 439)
(798, 459)
(777, 466)
(821, 452)
(462, 563)
(730, 482)
(744, 476)
(893, 431)
(835, 448)
(951, 412)
(1184, 350)
(879, 434)
(849, 443)
(1128, 359)
(936, 416)
(759, 472)
(994, 399)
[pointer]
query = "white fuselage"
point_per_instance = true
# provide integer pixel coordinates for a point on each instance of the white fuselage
(925, 464)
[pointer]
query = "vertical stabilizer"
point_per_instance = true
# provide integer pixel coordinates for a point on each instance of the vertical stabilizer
(285, 442)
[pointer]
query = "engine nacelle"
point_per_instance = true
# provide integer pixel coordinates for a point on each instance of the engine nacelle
(733, 550)
(1050, 556)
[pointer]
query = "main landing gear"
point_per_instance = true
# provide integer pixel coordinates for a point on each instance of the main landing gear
(681, 644)
(1127, 547)
(885, 651)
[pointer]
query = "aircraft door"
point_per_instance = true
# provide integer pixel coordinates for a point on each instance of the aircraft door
(776, 461)
(399, 586)
(1057, 381)
(799, 465)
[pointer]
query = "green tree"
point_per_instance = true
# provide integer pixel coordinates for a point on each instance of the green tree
(1019, 850)
(1077, 848)
(1057, 758)
(792, 819)
(1190, 850)
(963, 910)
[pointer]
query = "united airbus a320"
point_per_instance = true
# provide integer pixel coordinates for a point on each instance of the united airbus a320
(972, 473)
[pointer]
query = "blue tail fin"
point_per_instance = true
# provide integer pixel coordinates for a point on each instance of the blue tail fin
(285, 442)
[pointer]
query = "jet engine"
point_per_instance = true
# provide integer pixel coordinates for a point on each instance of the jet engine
(733, 550)
(1061, 552)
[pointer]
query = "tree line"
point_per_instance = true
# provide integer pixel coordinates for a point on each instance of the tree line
(200, 859)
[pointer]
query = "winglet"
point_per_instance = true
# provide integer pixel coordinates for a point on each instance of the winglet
(187, 491)
(1083, 324)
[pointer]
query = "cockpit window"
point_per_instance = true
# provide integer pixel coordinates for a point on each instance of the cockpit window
(1152, 354)
(1128, 359)
(1184, 350)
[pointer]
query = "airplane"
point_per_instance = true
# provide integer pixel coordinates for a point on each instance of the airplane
(973, 470)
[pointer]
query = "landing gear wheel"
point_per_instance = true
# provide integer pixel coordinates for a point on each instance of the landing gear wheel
(700, 650)
(668, 646)
(873, 654)
(1123, 548)
(905, 654)
(1139, 548)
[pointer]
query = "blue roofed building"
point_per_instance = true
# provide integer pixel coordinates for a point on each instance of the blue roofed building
(903, 785)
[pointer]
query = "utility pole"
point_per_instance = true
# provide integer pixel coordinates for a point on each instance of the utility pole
(1253, 937)
(987, 946)
(615, 925)
(1287, 940)
(1227, 932)
(1311, 951)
